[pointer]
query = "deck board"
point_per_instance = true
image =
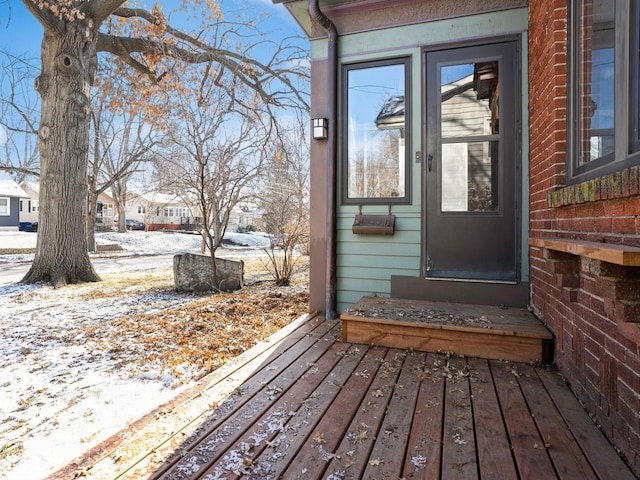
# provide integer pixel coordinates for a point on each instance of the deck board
(604, 466)
(459, 461)
(531, 458)
(425, 442)
(389, 449)
(568, 458)
(311, 460)
(309, 406)
(494, 452)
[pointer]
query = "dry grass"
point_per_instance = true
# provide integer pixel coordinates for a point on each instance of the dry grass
(196, 334)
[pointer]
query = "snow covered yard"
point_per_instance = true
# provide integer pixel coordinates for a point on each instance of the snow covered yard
(80, 363)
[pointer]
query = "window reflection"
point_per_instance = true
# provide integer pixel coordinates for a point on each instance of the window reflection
(470, 98)
(595, 80)
(376, 156)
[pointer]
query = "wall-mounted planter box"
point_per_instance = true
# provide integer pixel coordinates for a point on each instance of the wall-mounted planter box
(374, 224)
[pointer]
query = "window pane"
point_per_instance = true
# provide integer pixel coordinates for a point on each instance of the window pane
(4, 206)
(376, 116)
(595, 80)
(470, 99)
(468, 174)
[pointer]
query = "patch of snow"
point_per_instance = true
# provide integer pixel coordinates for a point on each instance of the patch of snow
(419, 462)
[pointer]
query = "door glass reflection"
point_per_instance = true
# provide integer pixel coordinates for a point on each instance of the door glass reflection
(469, 164)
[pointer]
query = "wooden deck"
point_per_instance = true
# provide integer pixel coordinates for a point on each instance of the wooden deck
(306, 405)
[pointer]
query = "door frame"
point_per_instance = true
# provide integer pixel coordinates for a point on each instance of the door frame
(516, 41)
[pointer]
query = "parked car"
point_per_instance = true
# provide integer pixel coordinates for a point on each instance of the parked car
(134, 224)
(28, 226)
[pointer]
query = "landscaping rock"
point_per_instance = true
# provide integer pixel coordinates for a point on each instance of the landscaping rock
(193, 273)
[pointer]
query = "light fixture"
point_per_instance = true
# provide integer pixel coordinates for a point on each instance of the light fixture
(320, 128)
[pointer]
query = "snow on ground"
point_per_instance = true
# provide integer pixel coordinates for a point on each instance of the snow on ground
(141, 243)
(58, 396)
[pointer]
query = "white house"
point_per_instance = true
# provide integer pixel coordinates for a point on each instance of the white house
(30, 206)
(161, 211)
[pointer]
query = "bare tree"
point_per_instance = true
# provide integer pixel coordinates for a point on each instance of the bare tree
(148, 46)
(285, 201)
(217, 155)
(122, 140)
(19, 110)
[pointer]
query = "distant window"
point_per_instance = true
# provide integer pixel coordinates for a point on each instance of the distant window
(168, 212)
(376, 128)
(141, 210)
(5, 209)
(603, 120)
(35, 207)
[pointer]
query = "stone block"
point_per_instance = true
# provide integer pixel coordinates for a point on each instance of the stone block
(193, 273)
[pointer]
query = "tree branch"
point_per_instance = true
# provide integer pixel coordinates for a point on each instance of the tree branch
(251, 72)
(101, 10)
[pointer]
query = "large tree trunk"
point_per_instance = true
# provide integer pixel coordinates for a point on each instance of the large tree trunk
(68, 67)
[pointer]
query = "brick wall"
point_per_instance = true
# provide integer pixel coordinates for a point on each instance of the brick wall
(592, 307)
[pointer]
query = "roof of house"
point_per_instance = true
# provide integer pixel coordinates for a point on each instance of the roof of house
(159, 198)
(9, 188)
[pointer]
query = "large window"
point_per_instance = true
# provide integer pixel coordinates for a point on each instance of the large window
(376, 130)
(603, 118)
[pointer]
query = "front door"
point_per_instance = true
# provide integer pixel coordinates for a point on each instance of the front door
(472, 163)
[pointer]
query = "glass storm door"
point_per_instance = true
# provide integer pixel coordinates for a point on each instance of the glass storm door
(472, 166)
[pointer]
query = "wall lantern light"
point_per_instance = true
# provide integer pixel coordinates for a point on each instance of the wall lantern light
(320, 128)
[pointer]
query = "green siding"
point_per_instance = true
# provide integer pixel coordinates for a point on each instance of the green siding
(365, 263)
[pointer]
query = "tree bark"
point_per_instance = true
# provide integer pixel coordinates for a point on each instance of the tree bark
(68, 68)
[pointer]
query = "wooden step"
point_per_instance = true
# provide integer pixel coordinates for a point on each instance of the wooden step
(481, 331)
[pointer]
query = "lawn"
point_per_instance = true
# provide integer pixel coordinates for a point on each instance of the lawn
(80, 363)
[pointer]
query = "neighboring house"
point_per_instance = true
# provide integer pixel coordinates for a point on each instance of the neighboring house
(244, 217)
(525, 193)
(160, 211)
(30, 206)
(105, 211)
(10, 197)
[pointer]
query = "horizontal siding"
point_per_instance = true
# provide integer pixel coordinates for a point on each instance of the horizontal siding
(408, 262)
(367, 262)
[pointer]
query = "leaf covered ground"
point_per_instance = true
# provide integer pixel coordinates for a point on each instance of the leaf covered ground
(80, 363)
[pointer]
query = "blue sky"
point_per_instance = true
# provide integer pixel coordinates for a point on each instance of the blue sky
(21, 34)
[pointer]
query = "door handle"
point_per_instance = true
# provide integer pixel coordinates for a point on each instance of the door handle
(429, 162)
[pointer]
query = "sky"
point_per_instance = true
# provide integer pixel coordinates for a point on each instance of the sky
(20, 33)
